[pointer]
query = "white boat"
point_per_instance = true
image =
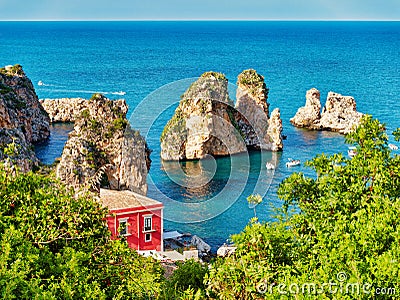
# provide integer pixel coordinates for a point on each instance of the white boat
(121, 93)
(292, 163)
(352, 152)
(40, 83)
(393, 147)
(226, 250)
(270, 166)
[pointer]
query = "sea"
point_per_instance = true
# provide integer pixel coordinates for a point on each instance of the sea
(151, 63)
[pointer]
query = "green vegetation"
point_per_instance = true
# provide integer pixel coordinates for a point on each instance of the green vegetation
(189, 276)
(252, 80)
(216, 75)
(97, 96)
(176, 123)
(345, 231)
(337, 236)
(56, 246)
(231, 113)
(15, 70)
(85, 114)
(119, 124)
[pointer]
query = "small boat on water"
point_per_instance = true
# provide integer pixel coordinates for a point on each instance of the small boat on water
(352, 151)
(270, 166)
(40, 83)
(121, 93)
(292, 163)
(393, 147)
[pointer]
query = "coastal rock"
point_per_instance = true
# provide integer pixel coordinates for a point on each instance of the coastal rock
(103, 150)
(339, 113)
(64, 109)
(309, 115)
(252, 114)
(274, 131)
(203, 123)
(23, 120)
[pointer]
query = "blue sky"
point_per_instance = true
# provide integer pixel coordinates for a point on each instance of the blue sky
(199, 9)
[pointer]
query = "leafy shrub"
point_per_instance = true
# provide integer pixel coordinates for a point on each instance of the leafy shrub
(346, 232)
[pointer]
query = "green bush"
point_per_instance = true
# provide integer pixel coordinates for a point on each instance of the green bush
(344, 231)
(187, 281)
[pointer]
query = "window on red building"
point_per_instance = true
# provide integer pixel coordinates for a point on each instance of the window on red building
(123, 226)
(148, 223)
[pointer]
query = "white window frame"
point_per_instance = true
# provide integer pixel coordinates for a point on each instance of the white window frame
(145, 228)
(123, 220)
(147, 234)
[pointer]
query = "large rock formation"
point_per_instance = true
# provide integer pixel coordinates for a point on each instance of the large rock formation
(206, 122)
(64, 109)
(203, 123)
(253, 113)
(339, 113)
(309, 115)
(103, 150)
(23, 120)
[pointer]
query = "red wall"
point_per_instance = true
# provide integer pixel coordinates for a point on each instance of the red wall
(135, 238)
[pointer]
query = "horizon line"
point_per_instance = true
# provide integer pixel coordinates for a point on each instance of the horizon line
(201, 20)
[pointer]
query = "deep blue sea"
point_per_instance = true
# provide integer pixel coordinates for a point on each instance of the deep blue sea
(154, 62)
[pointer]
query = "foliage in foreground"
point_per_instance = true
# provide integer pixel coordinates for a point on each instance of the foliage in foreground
(54, 246)
(344, 243)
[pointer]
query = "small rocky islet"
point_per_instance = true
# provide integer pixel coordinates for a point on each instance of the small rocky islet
(103, 149)
(339, 113)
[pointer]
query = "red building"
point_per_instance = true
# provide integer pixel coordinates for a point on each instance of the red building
(136, 217)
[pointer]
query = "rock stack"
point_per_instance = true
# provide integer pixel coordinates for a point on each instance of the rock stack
(103, 150)
(339, 113)
(252, 115)
(206, 121)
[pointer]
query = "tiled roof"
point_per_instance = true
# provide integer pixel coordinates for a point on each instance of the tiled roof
(124, 199)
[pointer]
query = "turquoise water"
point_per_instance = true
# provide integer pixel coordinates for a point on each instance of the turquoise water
(75, 59)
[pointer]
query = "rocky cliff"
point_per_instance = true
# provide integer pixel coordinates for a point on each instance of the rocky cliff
(339, 113)
(103, 150)
(203, 123)
(206, 122)
(23, 120)
(64, 109)
(252, 114)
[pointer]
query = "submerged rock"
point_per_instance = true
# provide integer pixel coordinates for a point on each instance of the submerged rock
(203, 122)
(253, 113)
(23, 120)
(103, 150)
(339, 113)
